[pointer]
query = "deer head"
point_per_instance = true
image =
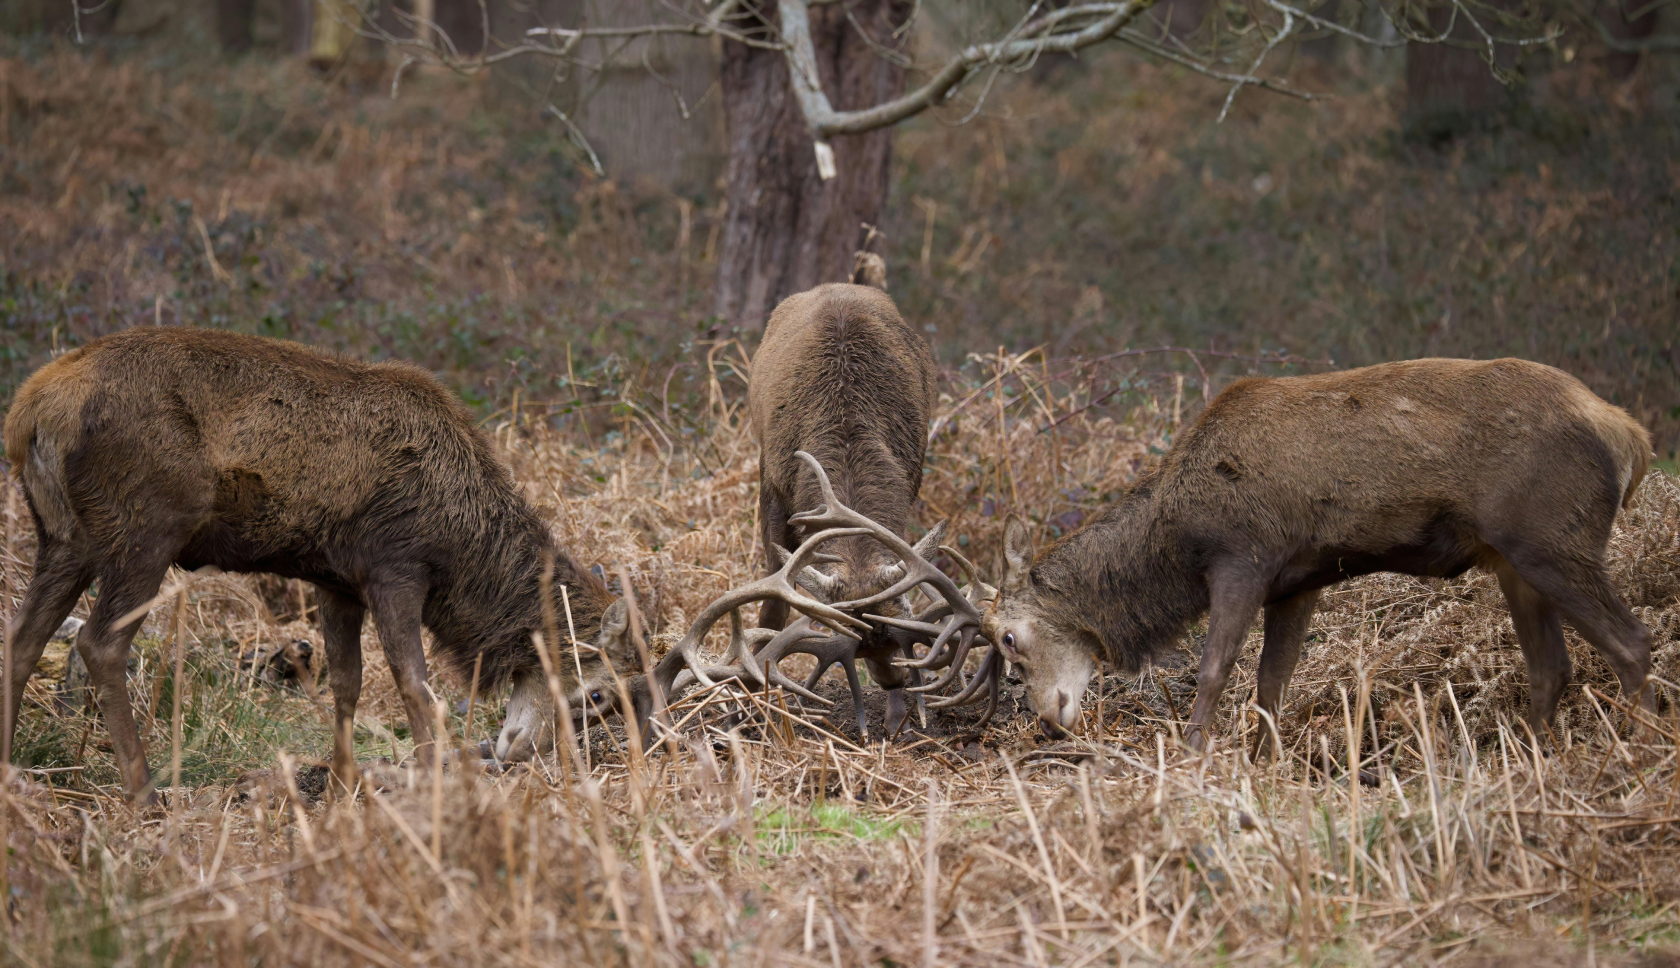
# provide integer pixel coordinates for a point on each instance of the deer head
(529, 727)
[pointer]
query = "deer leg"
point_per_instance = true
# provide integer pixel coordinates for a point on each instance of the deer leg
(1585, 597)
(396, 608)
(772, 522)
(892, 679)
(1286, 627)
(104, 648)
(60, 576)
(849, 663)
(909, 652)
(341, 627)
(1236, 598)
(1539, 629)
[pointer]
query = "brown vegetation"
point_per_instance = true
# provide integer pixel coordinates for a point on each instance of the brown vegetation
(1104, 214)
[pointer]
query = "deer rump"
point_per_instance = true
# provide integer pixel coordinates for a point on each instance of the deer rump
(159, 447)
(1285, 486)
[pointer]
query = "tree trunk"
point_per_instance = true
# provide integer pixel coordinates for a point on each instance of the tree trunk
(1451, 90)
(233, 24)
(297, 18)
(1621, 63)
(786, 229)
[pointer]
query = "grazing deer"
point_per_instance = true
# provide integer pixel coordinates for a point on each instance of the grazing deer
(1285, 486)
(841, 376)
(157, 447)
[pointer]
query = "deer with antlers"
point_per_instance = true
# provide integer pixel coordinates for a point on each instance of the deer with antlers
(841, 376)
(158, 447)
(1285, 486)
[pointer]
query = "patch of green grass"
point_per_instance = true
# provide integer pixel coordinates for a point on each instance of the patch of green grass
(783, 829)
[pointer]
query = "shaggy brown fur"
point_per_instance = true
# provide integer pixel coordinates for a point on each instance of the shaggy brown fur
(1285, 486)
(841, 376)
(159, 447)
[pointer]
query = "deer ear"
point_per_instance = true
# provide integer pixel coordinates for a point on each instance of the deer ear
(928, 547)
(615, 628)
(1017, 554)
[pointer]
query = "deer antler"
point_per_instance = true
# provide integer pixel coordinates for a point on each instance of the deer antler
(960, 610)
(753, 655)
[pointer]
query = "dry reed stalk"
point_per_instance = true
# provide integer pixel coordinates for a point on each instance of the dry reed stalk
(577, 661)
(930, 879)
(472, 698)
(1043, 854)
(176, 688)
(1353, 764)
(1426, 745)
(438, 744)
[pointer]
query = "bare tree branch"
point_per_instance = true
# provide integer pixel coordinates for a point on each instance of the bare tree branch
(1059, 32)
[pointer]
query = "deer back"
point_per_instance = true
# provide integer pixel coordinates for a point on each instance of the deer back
(841, 376)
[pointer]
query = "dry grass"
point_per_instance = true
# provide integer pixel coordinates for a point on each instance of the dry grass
(779, 842)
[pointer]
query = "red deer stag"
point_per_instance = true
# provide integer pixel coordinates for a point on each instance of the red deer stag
(841, 376)
(1285, 486)
(159, 447)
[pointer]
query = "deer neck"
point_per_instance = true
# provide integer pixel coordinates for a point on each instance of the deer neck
(1131, 578)
(490, 600)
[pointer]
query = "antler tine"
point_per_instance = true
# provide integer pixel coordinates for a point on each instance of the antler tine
(913, 625)
(962, 561)
(758, 670)
(951, 659)
(986, 674)
(939, 649)
(991, 694)
(746, 642)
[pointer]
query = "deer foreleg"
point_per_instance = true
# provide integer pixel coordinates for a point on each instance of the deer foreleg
(396, 605)
(341, 628)
(1236, 599)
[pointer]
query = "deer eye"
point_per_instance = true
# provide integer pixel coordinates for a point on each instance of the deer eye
(1009, 641)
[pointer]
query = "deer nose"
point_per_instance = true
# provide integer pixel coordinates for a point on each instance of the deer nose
(1059, 714)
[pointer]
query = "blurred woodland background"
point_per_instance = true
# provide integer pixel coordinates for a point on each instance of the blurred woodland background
(560, 234)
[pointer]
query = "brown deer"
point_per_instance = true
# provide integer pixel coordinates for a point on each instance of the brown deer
(157, 447)
(841, 376)
(1285, 486)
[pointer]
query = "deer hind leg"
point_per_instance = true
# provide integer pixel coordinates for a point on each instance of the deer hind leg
(123, 587)
(1583, 593)
(1540, 633)
(1286, 626)
(396, 608)
(341, 627)
(60, 576)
